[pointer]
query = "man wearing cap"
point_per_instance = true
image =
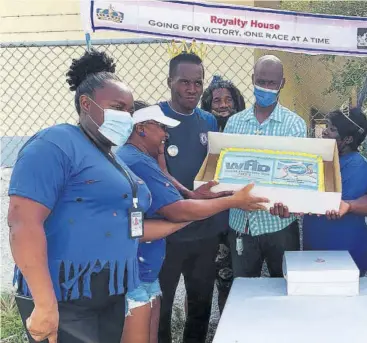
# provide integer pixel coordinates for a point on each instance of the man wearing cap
(259, 236)
(141, 156)
(192, 251)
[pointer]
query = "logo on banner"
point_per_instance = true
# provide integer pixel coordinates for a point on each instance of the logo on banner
(362, 38)
(110, 15)
(204, 138)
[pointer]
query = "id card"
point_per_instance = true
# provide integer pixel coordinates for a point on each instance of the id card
(136, 223)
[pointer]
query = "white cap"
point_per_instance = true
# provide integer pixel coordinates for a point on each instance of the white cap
(154, 113)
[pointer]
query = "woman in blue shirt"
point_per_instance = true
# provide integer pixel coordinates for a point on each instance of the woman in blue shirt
(141, 155)
(349, 230)
(75, 212)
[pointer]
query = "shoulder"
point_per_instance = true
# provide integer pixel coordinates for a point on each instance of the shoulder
(240, 117)
(136, 160)
(59, 137)
(208, 117)
(290, 115)
(354, 160)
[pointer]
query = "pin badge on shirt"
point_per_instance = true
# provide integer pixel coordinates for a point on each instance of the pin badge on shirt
(203, 138)
(172, 150)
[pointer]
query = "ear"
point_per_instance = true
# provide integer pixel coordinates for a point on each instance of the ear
(84, 103)
(139, 128)
(348, 140)
(282, 84)
(169, 83)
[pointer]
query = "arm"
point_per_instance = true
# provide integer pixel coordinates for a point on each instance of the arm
(298, 128)
(358, 206)
(156, 229)
(29, 248)
(191, 210)
(34, 189)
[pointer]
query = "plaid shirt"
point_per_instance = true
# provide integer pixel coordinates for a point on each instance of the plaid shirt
(281, 122)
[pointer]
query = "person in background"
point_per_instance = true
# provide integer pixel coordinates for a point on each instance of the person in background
(223, 99)
(141, 155)
(192, 251)
(349, 230)
(70, 200)
(259, 236)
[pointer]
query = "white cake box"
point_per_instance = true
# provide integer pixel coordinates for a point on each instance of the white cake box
(320, 273)
(297, 200)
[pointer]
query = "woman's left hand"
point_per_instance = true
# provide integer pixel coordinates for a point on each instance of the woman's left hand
(343, 209)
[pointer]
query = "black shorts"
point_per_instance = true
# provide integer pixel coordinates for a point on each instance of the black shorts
(96, 320)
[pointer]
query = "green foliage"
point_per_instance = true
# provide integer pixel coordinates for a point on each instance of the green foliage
(12, 330)
(354, 70)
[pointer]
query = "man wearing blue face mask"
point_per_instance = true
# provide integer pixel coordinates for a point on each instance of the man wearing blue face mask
(259, 236)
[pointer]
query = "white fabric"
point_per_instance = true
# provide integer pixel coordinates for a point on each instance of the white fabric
(153, 113)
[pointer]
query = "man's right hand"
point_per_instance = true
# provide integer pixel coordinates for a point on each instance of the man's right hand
(245, 201)
(43, 323)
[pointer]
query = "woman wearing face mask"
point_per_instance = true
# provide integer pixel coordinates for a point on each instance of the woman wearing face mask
(141, 155)
(75, 212)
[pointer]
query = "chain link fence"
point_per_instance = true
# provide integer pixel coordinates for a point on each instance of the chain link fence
(35, 95)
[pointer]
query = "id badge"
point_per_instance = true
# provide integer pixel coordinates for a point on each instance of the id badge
(136, 223)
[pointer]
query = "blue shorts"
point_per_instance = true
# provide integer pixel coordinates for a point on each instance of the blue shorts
(144, 294)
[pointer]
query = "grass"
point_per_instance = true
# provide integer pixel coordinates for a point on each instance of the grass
(11, 330)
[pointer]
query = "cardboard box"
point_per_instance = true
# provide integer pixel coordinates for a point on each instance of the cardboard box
(297, 200)
(320, 273)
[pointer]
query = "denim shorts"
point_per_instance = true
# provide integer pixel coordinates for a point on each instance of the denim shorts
(145, 293)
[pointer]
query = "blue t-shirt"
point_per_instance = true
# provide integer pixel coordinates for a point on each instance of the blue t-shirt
(89, 199)
(150, 254)
(191, 139)
(349, 232)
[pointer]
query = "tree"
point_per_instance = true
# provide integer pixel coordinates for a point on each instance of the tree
(354, 71)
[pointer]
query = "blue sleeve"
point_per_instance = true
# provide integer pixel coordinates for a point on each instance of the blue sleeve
(163, 192)
(214, 125)
(354, 182)
(40, 173)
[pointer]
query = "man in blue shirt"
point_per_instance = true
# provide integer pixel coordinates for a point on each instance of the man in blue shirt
(260, 236)
(192, 251)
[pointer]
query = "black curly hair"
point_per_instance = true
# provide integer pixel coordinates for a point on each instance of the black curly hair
(207, 98)
(139, 104)
(356, 127)
(89, 73)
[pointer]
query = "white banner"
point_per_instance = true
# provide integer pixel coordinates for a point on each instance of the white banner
(232, 25)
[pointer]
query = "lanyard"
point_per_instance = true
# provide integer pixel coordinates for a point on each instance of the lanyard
(111, 157)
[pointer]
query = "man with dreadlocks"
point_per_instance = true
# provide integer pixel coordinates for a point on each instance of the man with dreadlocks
(223, 99)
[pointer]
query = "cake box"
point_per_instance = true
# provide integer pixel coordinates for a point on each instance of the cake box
(297, 200)
(320, 273)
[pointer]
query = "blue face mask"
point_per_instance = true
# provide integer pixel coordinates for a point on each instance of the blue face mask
(117, 125)
(265, 97)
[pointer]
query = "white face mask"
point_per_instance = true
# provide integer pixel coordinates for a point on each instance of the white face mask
(117, 125)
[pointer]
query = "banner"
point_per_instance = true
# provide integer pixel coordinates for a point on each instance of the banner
(232, 25)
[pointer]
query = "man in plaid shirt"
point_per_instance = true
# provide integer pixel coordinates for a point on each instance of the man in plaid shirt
(260, 236)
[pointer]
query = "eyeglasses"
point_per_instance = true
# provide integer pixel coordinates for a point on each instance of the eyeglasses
(162, 126)
(346, 113)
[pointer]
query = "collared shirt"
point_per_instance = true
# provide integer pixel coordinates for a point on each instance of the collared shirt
(281, 122)
(89, 199)
(349, 232)
(150, 254)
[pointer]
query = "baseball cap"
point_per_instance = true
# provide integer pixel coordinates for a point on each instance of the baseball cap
(154, 113)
